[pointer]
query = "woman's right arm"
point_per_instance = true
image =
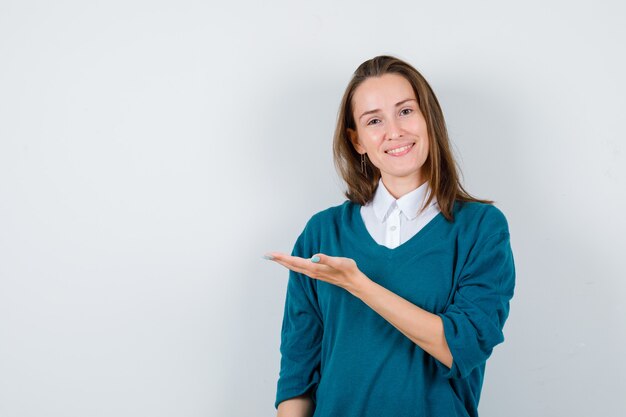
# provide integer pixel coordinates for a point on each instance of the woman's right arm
(301, 406)
(301, 341)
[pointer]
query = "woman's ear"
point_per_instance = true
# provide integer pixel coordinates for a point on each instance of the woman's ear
(354, 139)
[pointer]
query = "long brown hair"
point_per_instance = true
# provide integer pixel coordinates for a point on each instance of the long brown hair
(440, 168)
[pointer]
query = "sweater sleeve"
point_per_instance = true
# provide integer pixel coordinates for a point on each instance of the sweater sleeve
(473, 322)
(301, 334)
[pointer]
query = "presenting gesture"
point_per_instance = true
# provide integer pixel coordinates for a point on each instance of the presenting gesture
(422, 327)
(342, 272)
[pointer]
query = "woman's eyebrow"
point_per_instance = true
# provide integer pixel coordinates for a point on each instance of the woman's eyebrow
(377, 110)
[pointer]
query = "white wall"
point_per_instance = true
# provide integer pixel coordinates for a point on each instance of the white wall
(152, 151)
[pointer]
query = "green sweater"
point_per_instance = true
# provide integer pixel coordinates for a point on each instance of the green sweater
(355, 363)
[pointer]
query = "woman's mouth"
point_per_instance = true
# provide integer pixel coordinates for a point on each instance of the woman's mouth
(403, 150)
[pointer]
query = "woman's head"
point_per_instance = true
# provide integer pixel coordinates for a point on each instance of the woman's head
(400, 110)
(390, 129)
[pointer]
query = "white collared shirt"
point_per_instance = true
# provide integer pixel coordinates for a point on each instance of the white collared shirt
(392, 222)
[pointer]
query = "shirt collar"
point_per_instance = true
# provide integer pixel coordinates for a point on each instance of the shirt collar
(410, 203)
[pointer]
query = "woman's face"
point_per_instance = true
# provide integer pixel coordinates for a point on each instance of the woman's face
(390, 128)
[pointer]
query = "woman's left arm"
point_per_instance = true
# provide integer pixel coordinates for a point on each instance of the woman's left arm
(422, 327)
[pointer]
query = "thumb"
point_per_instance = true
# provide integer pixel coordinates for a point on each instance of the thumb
(332, 261)
(320, 258)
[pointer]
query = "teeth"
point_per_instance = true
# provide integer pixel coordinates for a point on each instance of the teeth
(398, 150)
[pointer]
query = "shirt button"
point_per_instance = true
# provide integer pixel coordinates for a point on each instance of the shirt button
(392, 228)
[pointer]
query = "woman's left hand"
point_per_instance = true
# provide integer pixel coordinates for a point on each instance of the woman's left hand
(342, 272)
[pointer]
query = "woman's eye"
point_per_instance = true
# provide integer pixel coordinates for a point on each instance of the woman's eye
(373, 122)
(404, 112)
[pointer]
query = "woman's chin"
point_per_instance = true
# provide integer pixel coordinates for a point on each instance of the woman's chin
(403, 175)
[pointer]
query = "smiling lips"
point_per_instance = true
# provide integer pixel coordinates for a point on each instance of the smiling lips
(403, 150)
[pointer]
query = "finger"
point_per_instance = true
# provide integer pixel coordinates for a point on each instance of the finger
(292, 267)
(308, 264)
(321, 259)
(305, 267)
(279, 256)
(274, 255)
(287, 261)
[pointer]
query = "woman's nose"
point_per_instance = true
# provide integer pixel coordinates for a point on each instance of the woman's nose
(393, 129)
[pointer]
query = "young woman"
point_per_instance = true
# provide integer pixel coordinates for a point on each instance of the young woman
(396, 297)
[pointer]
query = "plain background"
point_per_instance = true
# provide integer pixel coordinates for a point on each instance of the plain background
(152, 151)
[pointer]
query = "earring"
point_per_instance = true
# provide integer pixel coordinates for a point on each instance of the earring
(363, 164)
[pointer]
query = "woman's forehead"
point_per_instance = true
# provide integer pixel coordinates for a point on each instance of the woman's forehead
(386, 90)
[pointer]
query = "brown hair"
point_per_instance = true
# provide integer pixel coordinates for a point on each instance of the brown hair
(440, 168)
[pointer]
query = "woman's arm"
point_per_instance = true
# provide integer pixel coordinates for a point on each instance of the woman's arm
(422, 327)
(425, 329)
(301, 406)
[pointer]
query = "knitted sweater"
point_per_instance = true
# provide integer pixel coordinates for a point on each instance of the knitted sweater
(355, 363)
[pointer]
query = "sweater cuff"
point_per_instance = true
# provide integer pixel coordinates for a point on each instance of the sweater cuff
(288, 393)
(448, 330)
